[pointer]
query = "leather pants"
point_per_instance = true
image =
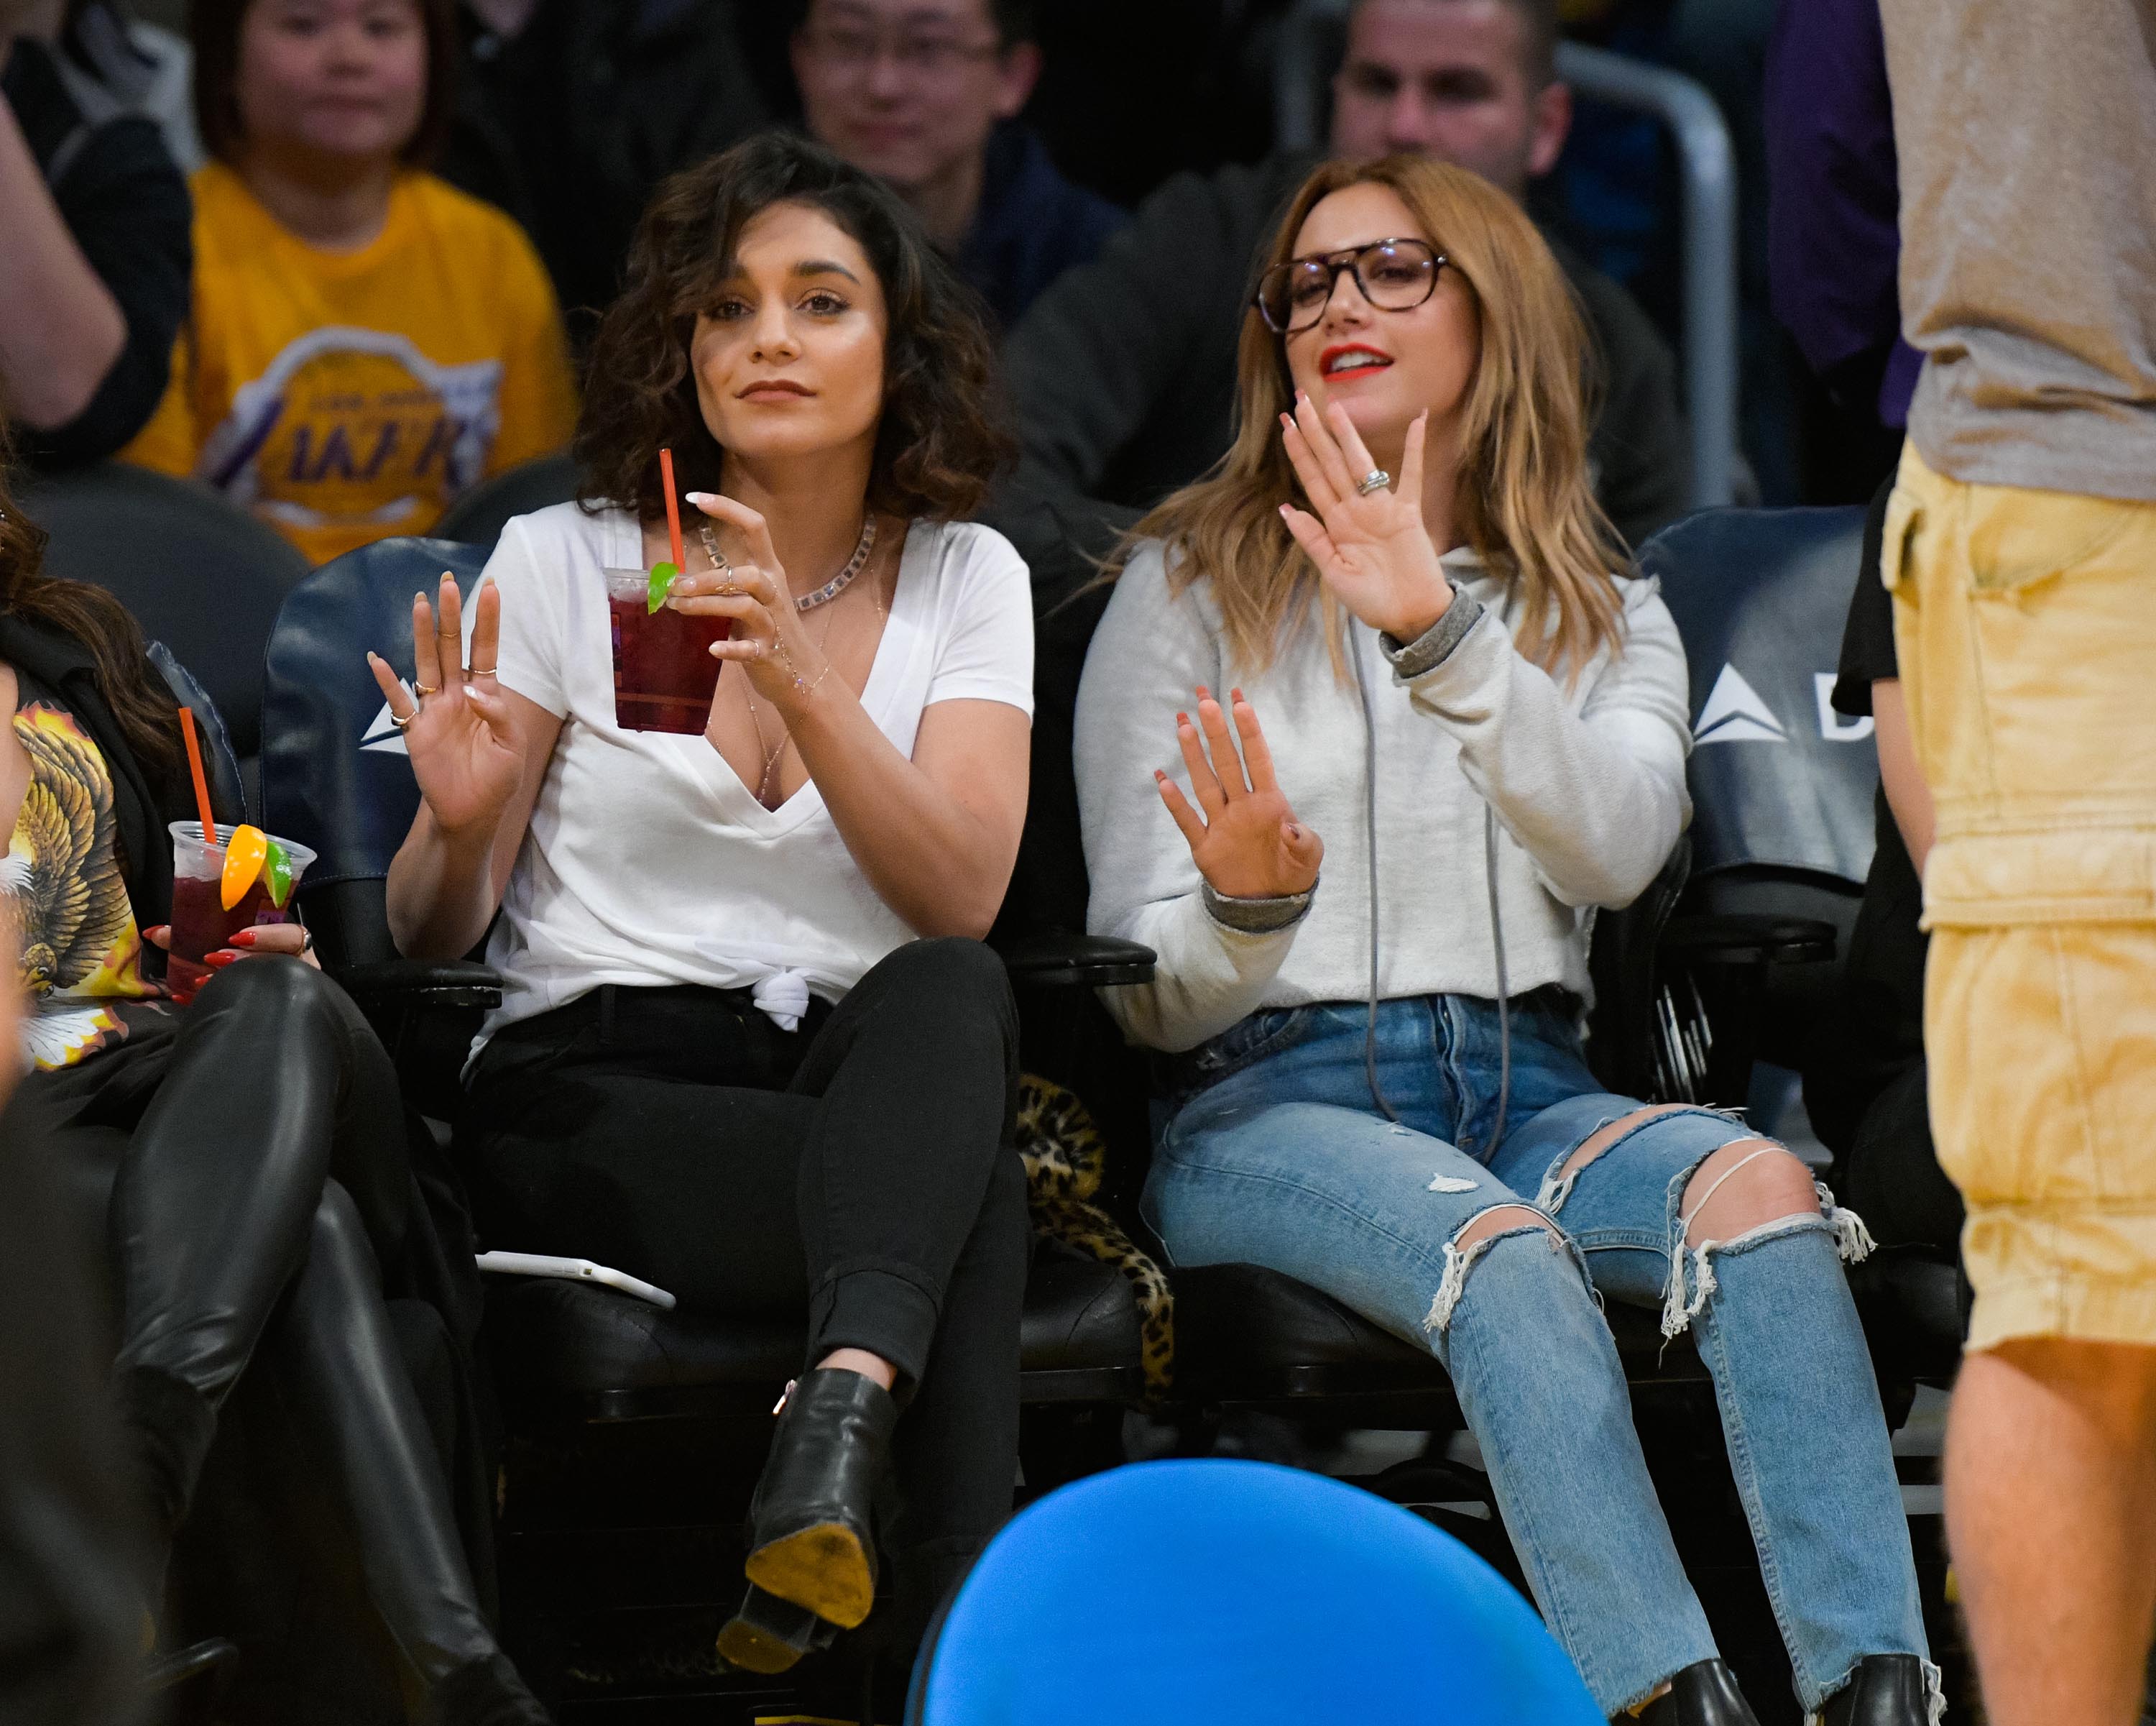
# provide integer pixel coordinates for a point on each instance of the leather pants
(245, 1215)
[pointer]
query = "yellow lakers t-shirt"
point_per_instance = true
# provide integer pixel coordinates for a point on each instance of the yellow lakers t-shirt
(344, 397)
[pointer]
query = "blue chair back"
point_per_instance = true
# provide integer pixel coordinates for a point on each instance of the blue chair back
(1778, 779)
(335, 774)
(1171, 1592)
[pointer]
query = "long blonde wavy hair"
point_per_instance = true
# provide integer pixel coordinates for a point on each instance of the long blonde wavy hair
(1524, 502)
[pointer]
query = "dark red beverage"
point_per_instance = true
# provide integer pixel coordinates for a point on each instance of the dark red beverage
(201, 924)
(663, 673)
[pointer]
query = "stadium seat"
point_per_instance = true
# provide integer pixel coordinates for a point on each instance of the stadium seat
(1224, 1591)
(337, 778)
(198, 573)
(1783, 797)
(477, 518)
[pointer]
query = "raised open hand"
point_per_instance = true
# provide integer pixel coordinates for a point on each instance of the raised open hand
(1246, 843)
(463, 752)
(1372, 550)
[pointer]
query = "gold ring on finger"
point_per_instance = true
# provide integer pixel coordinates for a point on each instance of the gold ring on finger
(422, 690)
(483, 671)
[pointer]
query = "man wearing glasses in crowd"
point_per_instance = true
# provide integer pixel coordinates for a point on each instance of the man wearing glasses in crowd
(925, 94)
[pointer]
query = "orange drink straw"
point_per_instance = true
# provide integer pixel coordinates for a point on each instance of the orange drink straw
(202, 779)
(673, 508)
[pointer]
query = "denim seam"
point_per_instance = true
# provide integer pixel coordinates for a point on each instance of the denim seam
(1328, 1199)
(1714, 1351)
(1519, 1525)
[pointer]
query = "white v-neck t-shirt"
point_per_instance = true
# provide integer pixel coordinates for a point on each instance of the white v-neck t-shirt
(648, 862)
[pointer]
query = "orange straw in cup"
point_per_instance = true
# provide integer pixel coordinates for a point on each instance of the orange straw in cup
(202, 779)
(673, 508)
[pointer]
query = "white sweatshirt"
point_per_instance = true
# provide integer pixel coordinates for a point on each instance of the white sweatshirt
(1588, 783)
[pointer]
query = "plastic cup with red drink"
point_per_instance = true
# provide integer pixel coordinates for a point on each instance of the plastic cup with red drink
(202, 921)
(663, 673)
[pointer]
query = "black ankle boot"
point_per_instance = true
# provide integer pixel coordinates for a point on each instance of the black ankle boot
(485, 1692)
(769, 1635)
(811, 1540)
(1702, 1695)
(1886, 1690)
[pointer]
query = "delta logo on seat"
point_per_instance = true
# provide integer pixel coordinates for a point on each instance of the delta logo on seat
(1736, 713)
(381, 734)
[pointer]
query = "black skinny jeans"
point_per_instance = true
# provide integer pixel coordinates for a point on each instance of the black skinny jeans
(861, 1166)
(245, 1206)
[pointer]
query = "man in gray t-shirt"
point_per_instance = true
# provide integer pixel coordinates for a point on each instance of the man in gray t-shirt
(2021, 549)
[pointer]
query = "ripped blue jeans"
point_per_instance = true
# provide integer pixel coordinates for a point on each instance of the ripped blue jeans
(1274, 1154)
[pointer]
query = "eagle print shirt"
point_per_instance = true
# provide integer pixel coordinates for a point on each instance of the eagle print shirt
(81, 952)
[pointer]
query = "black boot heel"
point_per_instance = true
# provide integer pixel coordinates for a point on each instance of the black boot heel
(768, 1635)
(1886, 1690)
(811, 1541)
(1704, 1694)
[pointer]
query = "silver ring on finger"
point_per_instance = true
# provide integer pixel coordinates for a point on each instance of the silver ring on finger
(1374, 480)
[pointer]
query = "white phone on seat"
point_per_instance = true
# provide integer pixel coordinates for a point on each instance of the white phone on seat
(542, 1263)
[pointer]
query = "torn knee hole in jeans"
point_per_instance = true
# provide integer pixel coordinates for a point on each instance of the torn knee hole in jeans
(1460, 1260)
(1607, 1136)
(1852, 1240)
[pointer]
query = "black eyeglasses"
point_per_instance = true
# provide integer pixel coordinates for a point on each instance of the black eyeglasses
(1394, 275)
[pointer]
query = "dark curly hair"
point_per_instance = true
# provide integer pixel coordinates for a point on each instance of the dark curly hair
(941, 437)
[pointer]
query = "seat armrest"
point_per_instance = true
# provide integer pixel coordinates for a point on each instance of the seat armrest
(453, 982)
(1736, 939)
(1063, 960)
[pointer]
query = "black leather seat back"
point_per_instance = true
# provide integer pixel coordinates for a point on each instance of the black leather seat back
(220, 764)
(335, 773)
(1779, 781)
(199, 574)
(478, 517)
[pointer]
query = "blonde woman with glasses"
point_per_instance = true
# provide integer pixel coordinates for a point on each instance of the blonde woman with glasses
(1376, 1080)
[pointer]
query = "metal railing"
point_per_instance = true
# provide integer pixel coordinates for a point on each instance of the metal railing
(1309, 53)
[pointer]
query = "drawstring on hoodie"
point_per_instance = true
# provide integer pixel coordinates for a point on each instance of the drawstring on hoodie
(1490, 879)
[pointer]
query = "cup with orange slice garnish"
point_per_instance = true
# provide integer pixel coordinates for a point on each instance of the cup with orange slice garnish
(240, 878)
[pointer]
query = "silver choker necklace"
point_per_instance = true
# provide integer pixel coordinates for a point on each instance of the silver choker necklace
(832, 588)
(840, 582)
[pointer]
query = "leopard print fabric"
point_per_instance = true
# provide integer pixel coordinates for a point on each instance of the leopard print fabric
(1065, 1159)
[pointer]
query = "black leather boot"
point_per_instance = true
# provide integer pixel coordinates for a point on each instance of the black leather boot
(485, 1692)
(1705, 1694)
(1886, 1690)
(769, 1635)
(811, 1537)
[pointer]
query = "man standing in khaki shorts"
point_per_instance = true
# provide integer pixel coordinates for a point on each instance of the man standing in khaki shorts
(2021, 549)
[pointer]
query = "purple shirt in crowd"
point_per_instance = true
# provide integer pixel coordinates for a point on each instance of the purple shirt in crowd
(1834, 242)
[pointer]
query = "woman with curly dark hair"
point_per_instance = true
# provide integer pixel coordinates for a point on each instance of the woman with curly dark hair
(751, 1047)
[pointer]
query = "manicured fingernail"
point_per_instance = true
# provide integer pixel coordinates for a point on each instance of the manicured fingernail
(156, 930)
(698, 496)
(243, 938)
(1158, 777)
(219, 960)
(1235, 695)
(1293, 831)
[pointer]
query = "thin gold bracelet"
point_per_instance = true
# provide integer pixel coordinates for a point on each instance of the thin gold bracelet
(793, 670)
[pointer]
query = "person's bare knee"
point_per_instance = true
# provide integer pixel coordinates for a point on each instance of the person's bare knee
(1746, 1185)
(1599, 1141)
(1500, 1220)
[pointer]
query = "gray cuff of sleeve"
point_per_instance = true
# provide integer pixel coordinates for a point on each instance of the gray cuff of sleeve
(1257, 916)
(1428, 650)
